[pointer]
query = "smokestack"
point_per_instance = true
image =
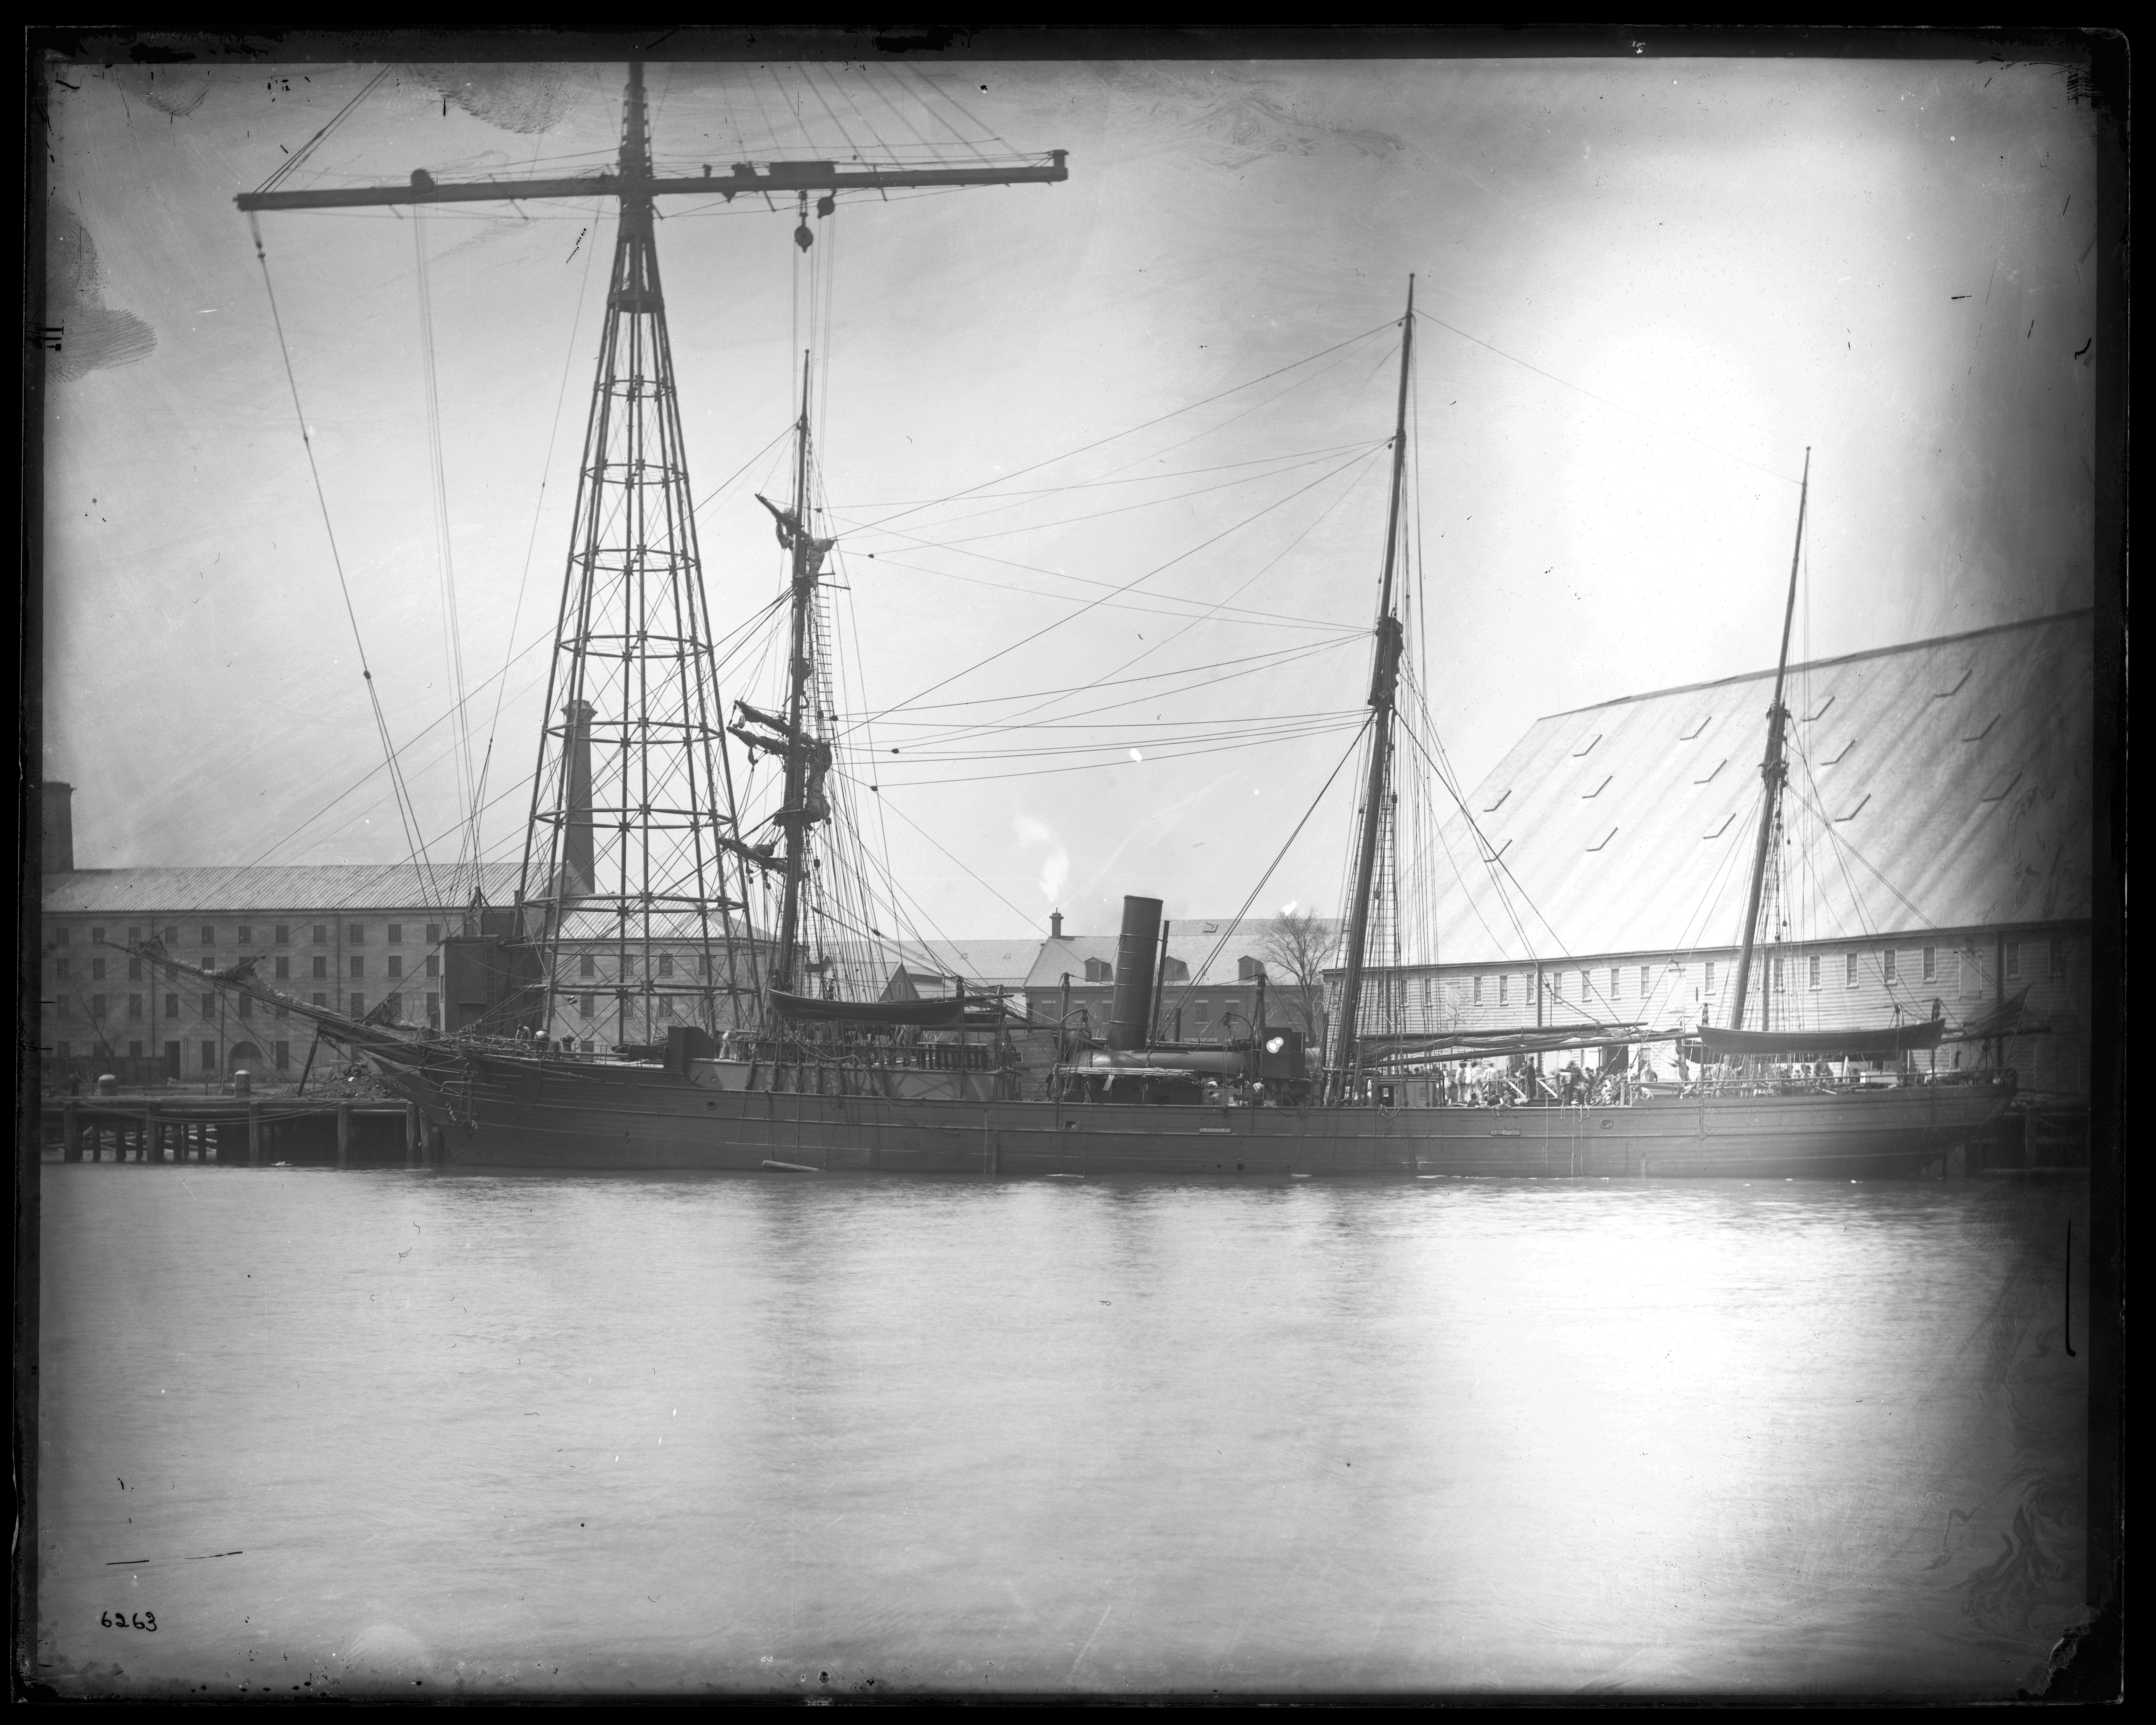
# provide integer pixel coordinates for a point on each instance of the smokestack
(1056, 925)
(58, 827)
(576, 866)
(1130, 1015)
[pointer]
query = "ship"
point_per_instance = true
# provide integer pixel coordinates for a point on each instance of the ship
(747, 1039)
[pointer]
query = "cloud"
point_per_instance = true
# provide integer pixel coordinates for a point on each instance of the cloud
(1056, 867)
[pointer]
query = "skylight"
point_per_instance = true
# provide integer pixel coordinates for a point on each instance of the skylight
(1603, 840)
(1599, 789)
(1700, 726)
(1718, 831)
(1710, 772)
(1587, 747)
(1851, 813)
(1491, 807)
(1819, 712)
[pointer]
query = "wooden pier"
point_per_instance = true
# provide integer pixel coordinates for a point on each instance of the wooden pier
(239, 1131)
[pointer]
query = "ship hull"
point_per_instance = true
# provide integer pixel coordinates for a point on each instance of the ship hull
(505, 1113)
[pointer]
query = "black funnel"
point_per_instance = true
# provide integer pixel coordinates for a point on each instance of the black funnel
(1130, 1017)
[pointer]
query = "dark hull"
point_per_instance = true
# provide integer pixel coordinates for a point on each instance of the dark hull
(507, 1112)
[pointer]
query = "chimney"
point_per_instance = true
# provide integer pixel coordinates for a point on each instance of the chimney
(1056, 925)
(58, 825)
(577, 865)
(1130, 1011)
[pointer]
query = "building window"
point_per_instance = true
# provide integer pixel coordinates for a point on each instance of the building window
(396, 964)
(285, 968)
(2058, 958)
(435, 1012)
(134, 1006)
(1931, 963)
(62, 1050)
(1504, 989)
(1812, 970)
(283, 934)
(1478, 991)
(246, 935)
(434, 933)
(283, 1012)
(666, 964)
(97, 970)
(1204, 1009)
(321, 965)
(396, 1009)
(134, 1050)
(97, 1006)
(1886, 964)
(358, 967)
(280, 1055)
(171, 935)
(321, 1000)
(246, 1007)
(1646, 980)
(172, 1060)
(209, 1056)
(96, 937)
(133, 935)
(1848, 970)
(321, 934)
(1586, 985)
(587, 965)
(134, 970)
(208, 935)
(1616, 976)
(59, 969)
(586, 1045)
(434, 965)
(2014, 957)
(396, 934)
(208, 962)
(60, 935)
(60, 1007)
(359, 1006)
(209, 1006)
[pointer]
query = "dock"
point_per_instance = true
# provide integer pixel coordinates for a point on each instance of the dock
(240, 1132)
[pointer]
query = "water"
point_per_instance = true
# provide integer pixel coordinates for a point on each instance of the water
(504, 1434)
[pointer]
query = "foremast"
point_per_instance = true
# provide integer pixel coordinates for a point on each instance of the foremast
(1385, 683)
(1774, 770)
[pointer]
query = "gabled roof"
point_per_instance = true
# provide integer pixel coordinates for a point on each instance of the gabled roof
(1942, 784)
(1000, 963)
(295, 887)
(1193, 949)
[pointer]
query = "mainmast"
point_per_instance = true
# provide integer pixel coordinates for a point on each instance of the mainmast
(1772, 770)
(807, 756)
(1384, 679)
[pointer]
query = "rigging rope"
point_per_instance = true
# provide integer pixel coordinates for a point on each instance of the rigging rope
(405, 811)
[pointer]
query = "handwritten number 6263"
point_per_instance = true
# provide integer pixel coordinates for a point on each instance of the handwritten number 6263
(120, 1619)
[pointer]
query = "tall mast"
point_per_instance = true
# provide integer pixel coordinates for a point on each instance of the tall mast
(1384, 681)
(632, 820)
(1773, 769)
(793, 814)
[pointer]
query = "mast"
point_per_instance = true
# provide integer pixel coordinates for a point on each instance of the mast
(632, 823)
(1772, 769)
(1384, 682)
(793, 814)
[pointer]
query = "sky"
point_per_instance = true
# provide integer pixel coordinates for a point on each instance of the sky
(1131, 426)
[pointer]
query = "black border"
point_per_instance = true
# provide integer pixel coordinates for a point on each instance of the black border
(2088, 1668)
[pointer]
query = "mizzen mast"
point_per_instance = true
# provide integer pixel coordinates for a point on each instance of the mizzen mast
(1384, 682)
(1773, 769)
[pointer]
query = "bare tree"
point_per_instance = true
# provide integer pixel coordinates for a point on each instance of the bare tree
(1297, 946)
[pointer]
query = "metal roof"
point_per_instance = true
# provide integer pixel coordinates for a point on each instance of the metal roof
(309, 886)
(1943, 784)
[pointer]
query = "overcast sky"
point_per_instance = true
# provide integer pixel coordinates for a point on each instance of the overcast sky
(1650, 284)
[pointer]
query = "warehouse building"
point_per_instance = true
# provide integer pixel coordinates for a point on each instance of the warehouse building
(1934, 858)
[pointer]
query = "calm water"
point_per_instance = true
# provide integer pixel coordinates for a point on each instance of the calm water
(546, 1435)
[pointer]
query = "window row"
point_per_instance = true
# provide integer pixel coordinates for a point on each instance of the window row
(249, 934)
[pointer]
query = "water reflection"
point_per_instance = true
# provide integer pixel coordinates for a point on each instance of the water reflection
(526, 1435)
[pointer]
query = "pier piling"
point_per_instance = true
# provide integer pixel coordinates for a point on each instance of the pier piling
(411, 1135)
(254, 1134)
(344, 1135)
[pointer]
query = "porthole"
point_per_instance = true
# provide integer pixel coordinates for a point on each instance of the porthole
(1605, 1125)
